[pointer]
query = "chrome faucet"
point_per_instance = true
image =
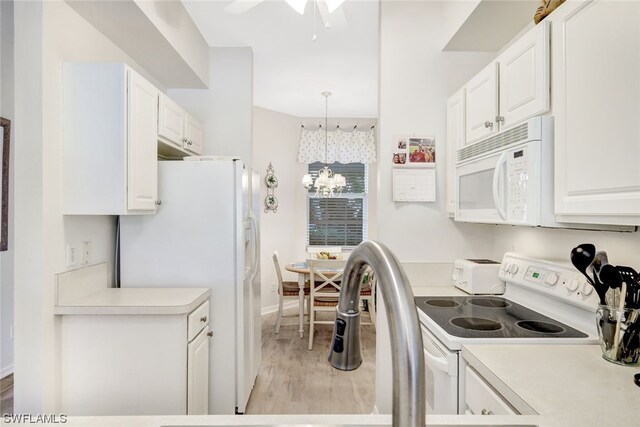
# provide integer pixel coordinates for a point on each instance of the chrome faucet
(404, 329)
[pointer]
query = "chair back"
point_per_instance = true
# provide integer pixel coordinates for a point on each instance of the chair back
(313, 250)
(276, 263)
(326, 276)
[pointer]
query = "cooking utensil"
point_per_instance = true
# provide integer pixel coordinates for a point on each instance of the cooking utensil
(630, 277)
(598, 262)
(581, 257)
(611, 276)
(636, 379)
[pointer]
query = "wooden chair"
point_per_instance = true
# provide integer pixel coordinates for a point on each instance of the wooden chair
(291, 290)
(327, 279)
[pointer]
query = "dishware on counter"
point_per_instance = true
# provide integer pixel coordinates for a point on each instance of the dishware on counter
(619, 334)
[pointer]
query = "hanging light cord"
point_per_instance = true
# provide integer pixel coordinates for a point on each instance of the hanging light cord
(326, 129)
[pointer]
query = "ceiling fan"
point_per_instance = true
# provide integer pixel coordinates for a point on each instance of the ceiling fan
(325, 7)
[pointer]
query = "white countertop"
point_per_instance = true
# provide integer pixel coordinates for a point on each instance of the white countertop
(569, 384)
(136, 301)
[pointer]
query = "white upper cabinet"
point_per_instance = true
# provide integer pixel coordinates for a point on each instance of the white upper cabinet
(142, 162)
(596, 88)
(524, 77)
(110, 133)
(194, 135)
(455, 140)
(179, 129)
(171, 120)
(482, 104)
(512, 89)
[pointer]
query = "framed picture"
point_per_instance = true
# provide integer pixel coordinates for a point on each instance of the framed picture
(5, 126)
(422, 150)
(414, 151)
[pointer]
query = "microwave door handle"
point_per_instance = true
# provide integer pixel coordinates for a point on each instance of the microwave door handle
(497, 174)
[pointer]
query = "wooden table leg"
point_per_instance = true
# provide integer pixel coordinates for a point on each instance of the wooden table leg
(301, 302)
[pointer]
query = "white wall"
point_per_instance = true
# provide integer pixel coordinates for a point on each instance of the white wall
(47, 34)
(415, 81)
(226, 108)
(275, 140)
(6, 258)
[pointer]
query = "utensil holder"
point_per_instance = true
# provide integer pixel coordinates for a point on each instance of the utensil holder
(622, 347)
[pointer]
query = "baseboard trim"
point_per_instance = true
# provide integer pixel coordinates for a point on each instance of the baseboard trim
(7, 370)
(375, 410)
(274, 308)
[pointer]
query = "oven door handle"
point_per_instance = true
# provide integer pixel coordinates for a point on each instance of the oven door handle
(496, 183)
(439, 363)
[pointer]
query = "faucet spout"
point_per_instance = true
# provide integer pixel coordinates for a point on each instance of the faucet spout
(404, 329)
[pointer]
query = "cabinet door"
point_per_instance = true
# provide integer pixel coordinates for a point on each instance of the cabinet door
(481, 98)
(198, 375)
(142, 137)
(524, 77)
(596, 86)
(455, 140)
(194, 135)
(171, 121)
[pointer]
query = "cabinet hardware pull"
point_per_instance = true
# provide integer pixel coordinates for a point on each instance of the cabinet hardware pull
(158, 202)
(488, 124)
(189, 143)
(203, 319)
(210, 333)
(500, 119)
(486, 412)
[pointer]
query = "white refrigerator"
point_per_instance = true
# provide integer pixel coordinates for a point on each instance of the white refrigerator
(206, 234)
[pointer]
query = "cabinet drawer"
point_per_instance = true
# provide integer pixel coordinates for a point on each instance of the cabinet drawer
(481, 399)
(198, 319)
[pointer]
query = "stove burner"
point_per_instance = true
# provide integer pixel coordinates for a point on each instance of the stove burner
(476, 323)
(441, 303)
(542, 327)
(489, 302)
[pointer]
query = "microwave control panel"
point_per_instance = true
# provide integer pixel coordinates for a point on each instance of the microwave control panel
(517, 184)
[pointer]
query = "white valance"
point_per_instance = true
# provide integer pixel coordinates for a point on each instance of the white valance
(342, 147)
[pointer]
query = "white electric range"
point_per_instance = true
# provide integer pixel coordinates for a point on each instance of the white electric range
(544, 302)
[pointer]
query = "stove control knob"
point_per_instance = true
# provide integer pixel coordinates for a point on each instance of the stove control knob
(505, 266)
(572, 285)
(551, 279)
(587, 289)
(513, 269)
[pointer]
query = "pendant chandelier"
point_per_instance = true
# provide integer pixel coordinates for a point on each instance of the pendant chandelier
(327, 184)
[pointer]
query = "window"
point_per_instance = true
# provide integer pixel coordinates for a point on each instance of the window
(341, 220)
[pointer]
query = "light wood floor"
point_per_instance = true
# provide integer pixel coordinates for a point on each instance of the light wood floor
(294, 380)
(6, 395)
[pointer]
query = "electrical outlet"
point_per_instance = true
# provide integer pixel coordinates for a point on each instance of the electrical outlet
(273, 287)
(72, 255)
(85, 256)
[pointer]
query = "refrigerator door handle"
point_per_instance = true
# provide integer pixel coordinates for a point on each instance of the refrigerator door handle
(256, 246)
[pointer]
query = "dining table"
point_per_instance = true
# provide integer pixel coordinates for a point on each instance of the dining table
(304, 274)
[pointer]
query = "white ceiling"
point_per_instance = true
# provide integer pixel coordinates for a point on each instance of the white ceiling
(290, 70)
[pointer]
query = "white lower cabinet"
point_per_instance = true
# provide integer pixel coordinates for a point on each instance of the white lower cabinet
(481, 399)
(135, 364)
(198, 374)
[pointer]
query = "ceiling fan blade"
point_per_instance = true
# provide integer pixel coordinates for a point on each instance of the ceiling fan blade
(297, 5)
(324, 13)
(241, 6)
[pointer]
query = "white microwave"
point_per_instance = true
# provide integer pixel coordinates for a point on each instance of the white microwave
(508, 177)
